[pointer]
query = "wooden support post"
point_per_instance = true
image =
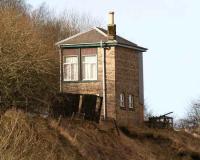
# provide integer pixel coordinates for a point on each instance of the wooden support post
(59, 121)
(80, 104)
(116, 126)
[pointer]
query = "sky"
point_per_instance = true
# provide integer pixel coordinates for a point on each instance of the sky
(170, 29)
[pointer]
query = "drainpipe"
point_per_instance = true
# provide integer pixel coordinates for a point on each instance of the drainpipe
(60, 55)
(104, 81)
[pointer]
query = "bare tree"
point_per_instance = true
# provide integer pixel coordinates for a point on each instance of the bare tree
(28, 56)
(194, 114)
(27, 68)
(192, 118)
(147, 111)
(68, 23)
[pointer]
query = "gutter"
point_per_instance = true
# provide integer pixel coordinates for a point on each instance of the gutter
(104, 44)
(138, 48)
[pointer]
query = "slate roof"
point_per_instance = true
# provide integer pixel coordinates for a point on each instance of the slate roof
(95, 35)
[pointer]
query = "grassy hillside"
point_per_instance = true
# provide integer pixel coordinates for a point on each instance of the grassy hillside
(24, 136)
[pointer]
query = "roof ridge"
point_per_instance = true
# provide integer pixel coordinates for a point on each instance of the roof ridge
(101, 32)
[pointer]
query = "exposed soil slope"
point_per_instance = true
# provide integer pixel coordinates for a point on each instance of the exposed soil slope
(23, 136)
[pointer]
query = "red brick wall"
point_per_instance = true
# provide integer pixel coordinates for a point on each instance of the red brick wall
(127, 82)
(110, 82)
(122, 75)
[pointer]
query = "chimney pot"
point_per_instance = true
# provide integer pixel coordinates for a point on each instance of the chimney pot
(111, 18)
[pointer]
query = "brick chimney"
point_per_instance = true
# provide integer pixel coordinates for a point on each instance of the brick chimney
(111, 27)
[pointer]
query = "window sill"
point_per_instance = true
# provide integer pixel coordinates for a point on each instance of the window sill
(122, 108)
(70, 81)
(131, 109)
(83, 81)
(89, 81)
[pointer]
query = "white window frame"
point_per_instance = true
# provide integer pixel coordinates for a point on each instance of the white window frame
(130, 101)
(89, 79)
(64, 63)
(122, 100)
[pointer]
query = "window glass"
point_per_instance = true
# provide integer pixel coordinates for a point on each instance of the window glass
(70, 68)
(130, 101)
(122, 100)
(89, 67)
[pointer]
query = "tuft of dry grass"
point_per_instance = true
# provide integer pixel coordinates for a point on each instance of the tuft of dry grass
(23, 137)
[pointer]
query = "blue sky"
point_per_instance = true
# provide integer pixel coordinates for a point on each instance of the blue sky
(170, 29)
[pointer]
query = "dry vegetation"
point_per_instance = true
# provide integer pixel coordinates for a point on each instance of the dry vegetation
(28, 55)
(102, 142)
(191, 122)
(29, 69)
(24, 136)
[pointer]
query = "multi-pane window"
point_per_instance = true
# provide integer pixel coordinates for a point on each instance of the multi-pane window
(70, 68)
(130, 101)
(121, 100)
(89, 67)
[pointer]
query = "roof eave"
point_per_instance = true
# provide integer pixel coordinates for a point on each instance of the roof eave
(138, 48)
(102, 44)
(80, 45)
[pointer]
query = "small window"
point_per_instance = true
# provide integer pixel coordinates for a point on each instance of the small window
(89, 67)
(130, 101)
(122, 100)
(70, 68)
